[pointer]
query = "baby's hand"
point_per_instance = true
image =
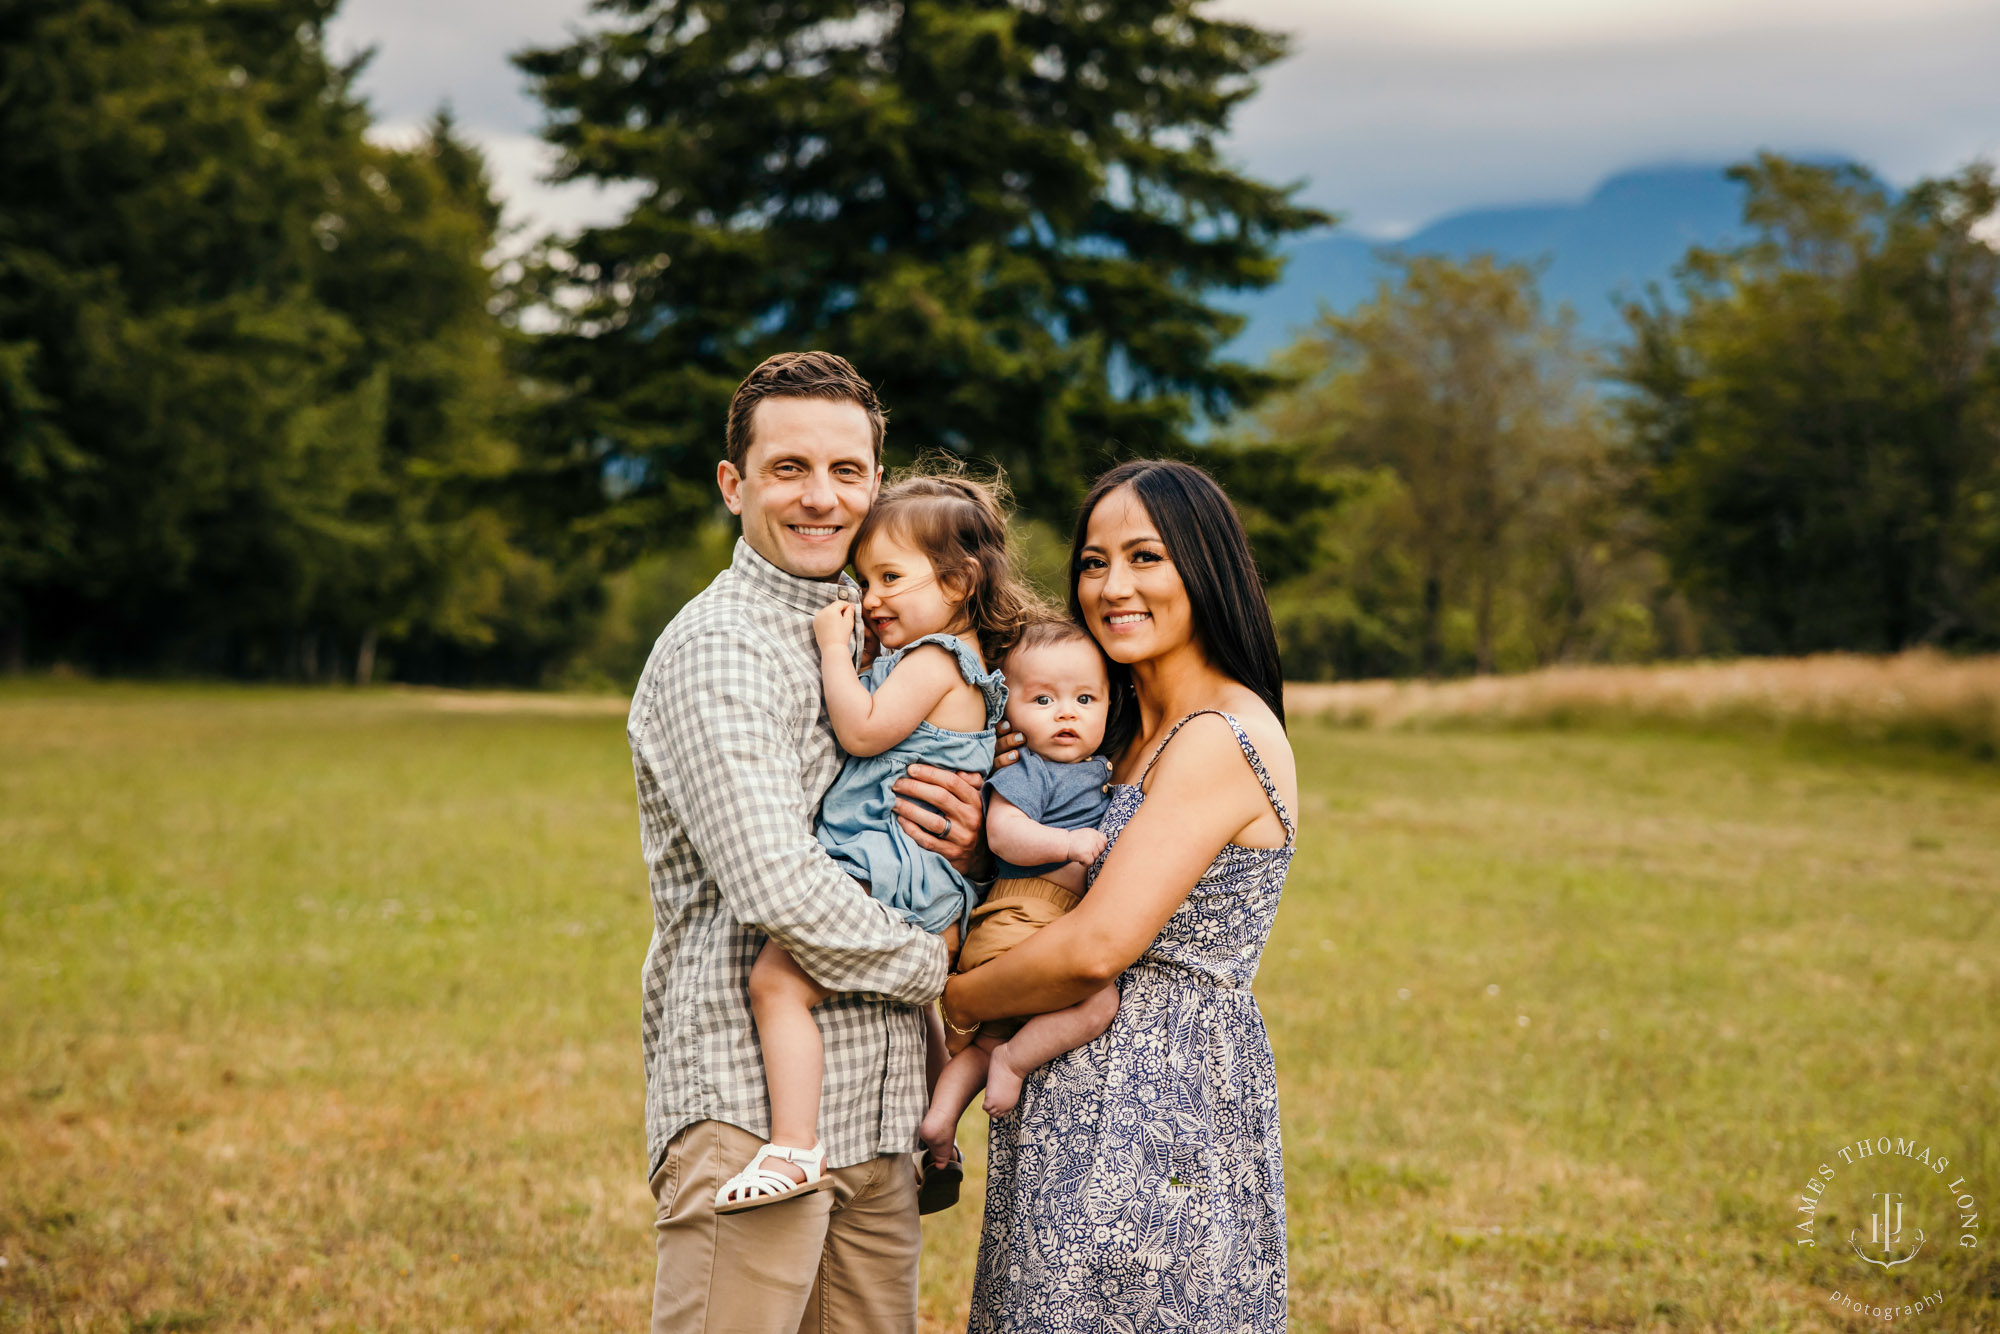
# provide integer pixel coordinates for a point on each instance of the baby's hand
(1086, 846)
(833, 627)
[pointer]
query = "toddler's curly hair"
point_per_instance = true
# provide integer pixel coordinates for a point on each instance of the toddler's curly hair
(960, 523)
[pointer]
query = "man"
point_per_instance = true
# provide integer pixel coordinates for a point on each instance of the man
(732, 753)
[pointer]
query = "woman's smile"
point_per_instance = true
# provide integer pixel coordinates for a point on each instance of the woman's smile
(1126, 584)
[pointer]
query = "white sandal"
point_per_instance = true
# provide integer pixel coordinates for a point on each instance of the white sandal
(757, 1185)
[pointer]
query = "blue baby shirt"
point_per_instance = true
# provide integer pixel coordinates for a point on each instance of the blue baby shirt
(857, 821)
(1061, 796)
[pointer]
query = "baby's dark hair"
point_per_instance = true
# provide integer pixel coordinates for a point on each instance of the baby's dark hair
(961, 524)
(1051, 630)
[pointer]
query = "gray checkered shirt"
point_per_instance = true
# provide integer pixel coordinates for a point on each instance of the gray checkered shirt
(732, 752)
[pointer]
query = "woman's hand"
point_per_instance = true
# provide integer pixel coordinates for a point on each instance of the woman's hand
(833, 627)
(951, 830)
(1202, 796)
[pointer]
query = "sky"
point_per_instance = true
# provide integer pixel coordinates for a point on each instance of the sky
(1395, 112)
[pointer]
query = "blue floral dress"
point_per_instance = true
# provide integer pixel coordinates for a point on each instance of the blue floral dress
(1140, 1183)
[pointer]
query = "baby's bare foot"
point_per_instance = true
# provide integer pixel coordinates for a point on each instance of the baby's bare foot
(1003, 1083)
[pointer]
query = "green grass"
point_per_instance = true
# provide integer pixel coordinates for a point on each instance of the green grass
(319, 1011)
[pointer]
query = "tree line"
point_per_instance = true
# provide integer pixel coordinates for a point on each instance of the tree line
(1795, 449)
(271, 405)
(257, 416)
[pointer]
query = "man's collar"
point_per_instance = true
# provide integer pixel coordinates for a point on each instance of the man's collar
(790, 589)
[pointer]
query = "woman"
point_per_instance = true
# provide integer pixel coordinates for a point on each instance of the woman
(1140, 1183)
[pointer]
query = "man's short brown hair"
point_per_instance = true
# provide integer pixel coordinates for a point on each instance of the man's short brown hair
(800, 375)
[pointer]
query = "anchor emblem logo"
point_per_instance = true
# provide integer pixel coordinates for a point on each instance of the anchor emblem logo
(1885, 1230)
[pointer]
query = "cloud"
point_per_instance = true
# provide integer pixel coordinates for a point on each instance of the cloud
(452, 51)
(1394, 127)
(1397, 111)
(457, 52)
(519, 165)
(1545, 24)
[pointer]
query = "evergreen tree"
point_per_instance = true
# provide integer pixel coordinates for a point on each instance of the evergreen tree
(1006, 213)
(250, 391)
(152, 298)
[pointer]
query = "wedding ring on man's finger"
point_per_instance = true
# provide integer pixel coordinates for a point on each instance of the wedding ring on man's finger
(946, 831)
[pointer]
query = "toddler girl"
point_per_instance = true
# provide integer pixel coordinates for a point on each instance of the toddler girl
(942, 598)
(1041, 822)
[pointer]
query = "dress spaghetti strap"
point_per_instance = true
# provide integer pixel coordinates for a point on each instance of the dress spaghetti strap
(1249, 753)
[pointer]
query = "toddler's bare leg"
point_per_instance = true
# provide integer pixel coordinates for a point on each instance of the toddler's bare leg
(937, 1050)
(782, 998)
(954, 1092)
(1041, 1040)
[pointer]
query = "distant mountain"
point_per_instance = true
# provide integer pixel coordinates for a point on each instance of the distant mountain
(1632, 230)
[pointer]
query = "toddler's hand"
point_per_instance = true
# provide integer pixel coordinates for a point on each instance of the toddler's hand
(833, 626)
(1086, 846)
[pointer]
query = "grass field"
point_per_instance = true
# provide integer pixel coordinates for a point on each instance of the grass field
(319, 1011)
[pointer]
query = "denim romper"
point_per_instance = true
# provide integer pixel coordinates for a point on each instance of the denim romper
(857, 821)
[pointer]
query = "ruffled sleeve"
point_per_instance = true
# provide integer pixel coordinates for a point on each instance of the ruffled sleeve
(992, 684)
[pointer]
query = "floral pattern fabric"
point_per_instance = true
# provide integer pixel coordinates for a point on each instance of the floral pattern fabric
(1139, 1184)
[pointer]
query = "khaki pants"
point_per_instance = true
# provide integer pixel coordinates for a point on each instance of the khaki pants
(1013, 911)
(839, 1261)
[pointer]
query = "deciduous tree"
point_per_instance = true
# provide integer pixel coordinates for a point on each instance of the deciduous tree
(1820, 409)
(1472, 407)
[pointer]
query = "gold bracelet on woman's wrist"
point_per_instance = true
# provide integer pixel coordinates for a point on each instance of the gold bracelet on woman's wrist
(954, 1029)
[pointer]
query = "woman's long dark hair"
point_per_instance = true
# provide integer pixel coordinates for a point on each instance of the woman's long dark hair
(1203, 536)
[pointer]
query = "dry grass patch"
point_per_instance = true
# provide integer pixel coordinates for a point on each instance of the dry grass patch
(228, 1187)
(1917, 696)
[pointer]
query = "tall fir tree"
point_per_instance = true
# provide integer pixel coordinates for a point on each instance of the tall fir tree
(251, 394)
(1009, 215)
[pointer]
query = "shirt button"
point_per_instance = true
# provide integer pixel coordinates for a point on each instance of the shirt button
(1105, 788)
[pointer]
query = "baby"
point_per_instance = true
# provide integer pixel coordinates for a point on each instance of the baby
(1041, 823)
